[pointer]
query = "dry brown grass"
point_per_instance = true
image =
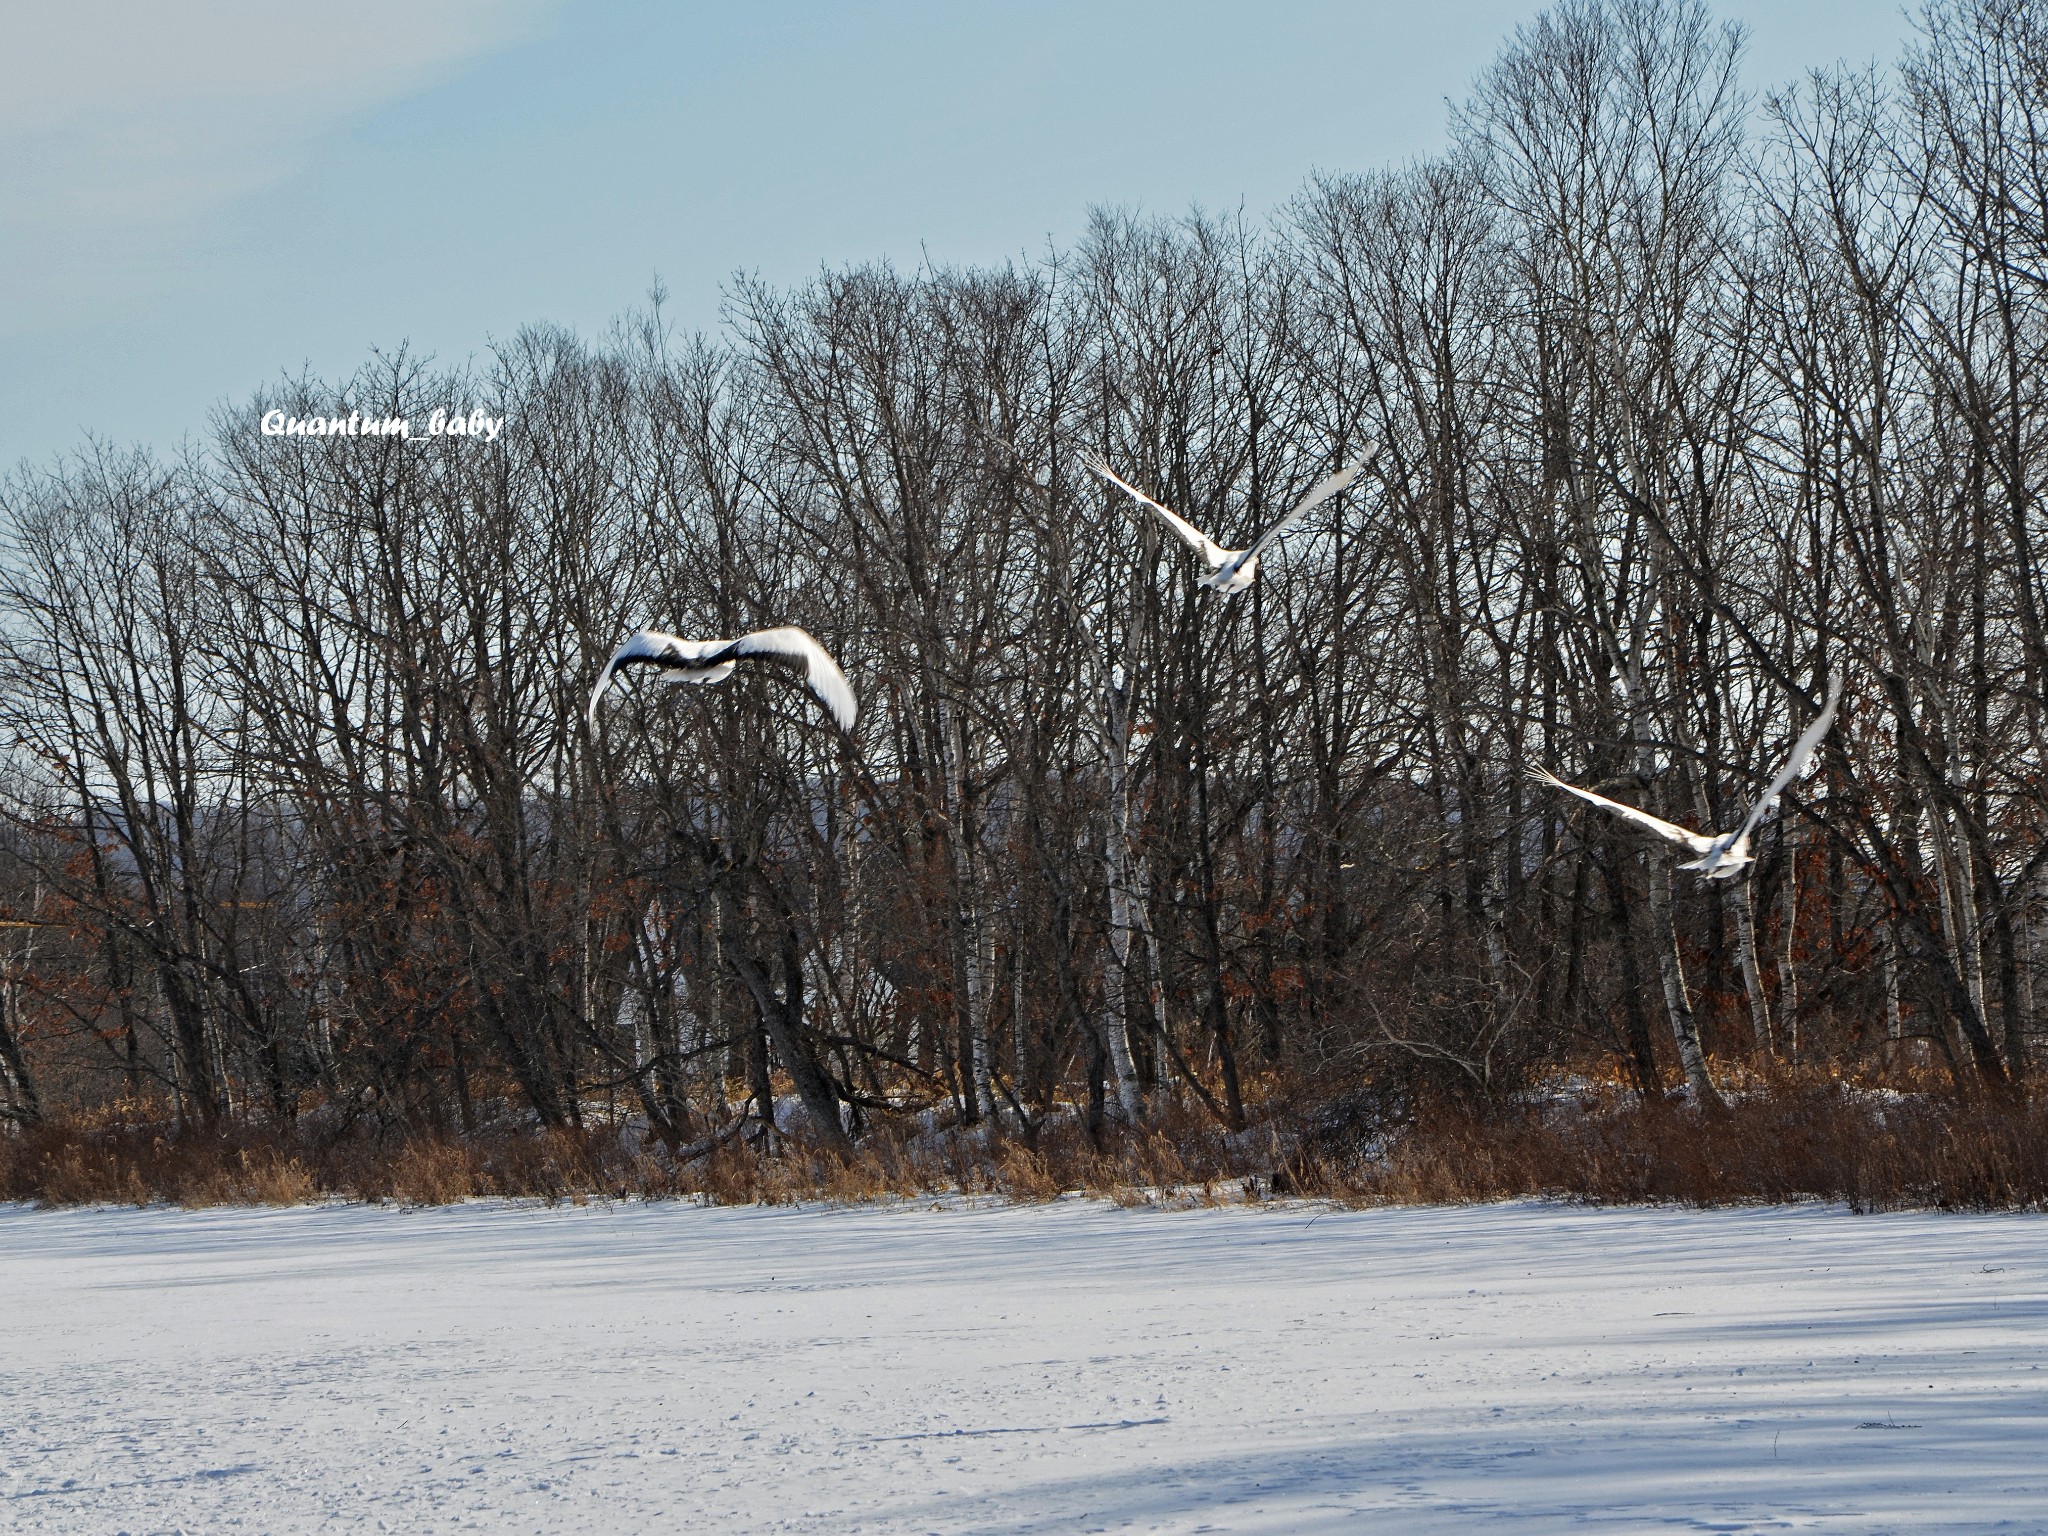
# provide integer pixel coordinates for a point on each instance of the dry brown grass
(264, 1175)
(82, 1174)
(1783, 1145)
(1776, 1143)
(1025, 1175)
(137, 1166)
(428, 1172)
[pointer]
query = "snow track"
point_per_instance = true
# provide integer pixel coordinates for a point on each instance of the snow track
(1054, 1368)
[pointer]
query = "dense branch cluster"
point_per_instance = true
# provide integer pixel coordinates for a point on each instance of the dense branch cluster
(1682, 402)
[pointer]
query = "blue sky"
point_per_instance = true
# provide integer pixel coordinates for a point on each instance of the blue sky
(201, 197)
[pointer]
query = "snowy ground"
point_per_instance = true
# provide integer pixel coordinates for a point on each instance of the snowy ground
(1072, 1367)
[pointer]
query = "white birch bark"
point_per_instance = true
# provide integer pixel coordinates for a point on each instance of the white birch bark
(1742, 902)
(1958, 909)
(1894, 1015)
(1685, 1029)
(960, 842)
(1788, 958)
(1739, 898)
(1117, 858)
(1020, 1050)
(1162, 1070)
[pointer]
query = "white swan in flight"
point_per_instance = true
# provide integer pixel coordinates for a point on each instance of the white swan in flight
(1724, 857)
(712, 661)
(1232, 570)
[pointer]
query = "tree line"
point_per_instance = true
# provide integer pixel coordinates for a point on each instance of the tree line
(1678, 400)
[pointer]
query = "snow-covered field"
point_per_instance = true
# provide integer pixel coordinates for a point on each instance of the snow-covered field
(1055, 1368)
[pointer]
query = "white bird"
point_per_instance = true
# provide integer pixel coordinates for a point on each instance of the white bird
(1724, 857)
(1232, 570)
(712, 661)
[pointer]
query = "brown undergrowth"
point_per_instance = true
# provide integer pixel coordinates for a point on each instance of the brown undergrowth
(1874, 1153)
(1773, 1143)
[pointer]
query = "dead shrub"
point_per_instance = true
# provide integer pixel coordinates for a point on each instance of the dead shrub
(85, 1174)
(1776, 1141)
(430, 1172)
(540, 1165)
(1022, 1174)
(263, 1175)
(1799, 1143)
(731, 1176)
(856, 1180)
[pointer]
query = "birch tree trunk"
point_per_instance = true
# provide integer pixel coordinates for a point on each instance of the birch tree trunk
(1740, 899)
(18, 1098)
(1958, 913)
(1894, 1017)
(1117, 857)
(1685, 1029)
(1742, 903)
(967, 938)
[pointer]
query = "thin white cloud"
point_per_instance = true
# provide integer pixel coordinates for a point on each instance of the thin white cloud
(123, 125)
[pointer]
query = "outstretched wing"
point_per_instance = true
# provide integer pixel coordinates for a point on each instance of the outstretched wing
(820, 670)
(650, 648)
(1319, 493)
(1801, 757)
(1643, 819)
(1203, 545)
